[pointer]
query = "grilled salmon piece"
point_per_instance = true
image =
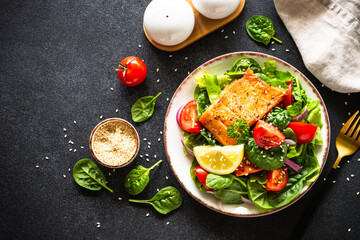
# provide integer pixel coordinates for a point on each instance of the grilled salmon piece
(248, 98)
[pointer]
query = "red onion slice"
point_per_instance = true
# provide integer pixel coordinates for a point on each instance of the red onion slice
(187, 149)
(301, 116)
(289, 142)
(293, 165)
(247, 201)
(178, 114)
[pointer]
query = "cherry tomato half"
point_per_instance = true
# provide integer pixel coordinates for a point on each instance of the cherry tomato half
(304, 132)
(287, 101)
(277, 179)
(267, 136)
(132, 71)
(246, 168)
(188, 118)
(201, 175)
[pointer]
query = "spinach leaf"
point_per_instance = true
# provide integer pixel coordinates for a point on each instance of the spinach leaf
(278, 117)
(270, 68)
(192, 140)
(212, 86)
(202, 102)
(300, 98)
(88, 175)
(283, 76)
(231, 195)
(239, 130)
(215, 181)
(261, 29)
(258, 195)
(138, 178)
(196, 181)
(260, 177)
(289, 134)
(269, 159)
(209, 137)
(143, 108)
(165, 201)
(241, 65)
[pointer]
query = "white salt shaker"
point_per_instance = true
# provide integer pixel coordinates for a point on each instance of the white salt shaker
(216, 9)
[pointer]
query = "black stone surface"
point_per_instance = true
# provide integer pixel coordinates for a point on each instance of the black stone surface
(56, 67)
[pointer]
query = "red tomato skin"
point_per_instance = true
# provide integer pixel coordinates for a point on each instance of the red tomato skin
(287, 101)
(304, 132)
(274, 183)
(188, 118)
(201, 175)
(132, 71)
(246, 167)
(267, 136)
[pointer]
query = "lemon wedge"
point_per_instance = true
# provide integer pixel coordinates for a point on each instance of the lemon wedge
(219, 159)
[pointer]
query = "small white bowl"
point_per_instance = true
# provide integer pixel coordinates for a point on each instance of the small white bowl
(169, 22)
(215, 9)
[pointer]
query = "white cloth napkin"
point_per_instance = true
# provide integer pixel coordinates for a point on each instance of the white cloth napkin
(327, 33)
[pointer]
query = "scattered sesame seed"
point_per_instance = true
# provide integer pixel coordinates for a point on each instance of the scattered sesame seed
(75, 150)
(146, 155)
(175, 70)
(70, 150)
(147, 214)
(348, 179)
(117, 110)
(139, 46)
(158, 80)
(345, 103)
(65, 136)
(167, 223)
(348, 161)
(358, 193)
(47, 158)
(272, 42)
(119, 198)
(159, 190)
(334, 181)
(159, 139)
(186, 58)
(351, 175)
(155, 156)
(349, 229)
(81, 146)
(273, 49)
(349, 113)
(188, 73)
(141, 155)
(338, 166)
(74, 122)
(109, 173)
(343, 124)
(64, 129)
(324, 179)
(147, 160)
(167, 99)
(112, 89)
(349, 94)
(162, 133)
(166, 177)
(149, 143)
(98, 226)
(358, 159)
(64, 175)
(114, 169)
(145, 139)
(322, 85)
(101, 116)
(37, 166)
(226, 37)
(69, 170)
(233, 32)
(170, 55)
(149, 146)
(157, 70)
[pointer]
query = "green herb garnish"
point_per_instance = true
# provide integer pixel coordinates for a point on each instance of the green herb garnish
(239, 130)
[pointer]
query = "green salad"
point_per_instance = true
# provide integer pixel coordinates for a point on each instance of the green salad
(278, 152)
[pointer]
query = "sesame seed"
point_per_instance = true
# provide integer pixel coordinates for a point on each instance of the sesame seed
(348, 161)
(147, 159)
(146, 155)
(349, 229)
(343, 124)
(114, 169)
(345, 103)
(324, 179)
(141, 155)
(348, 179)
(162, 133)
(47, 158)
(155, 156)
(358, 193)
(338, 166)
(167, 99)
(145, 139)
(75, 150)
(64, 175)
(287, 50)
(149, 146)
(119, 198)
(273, 49)
(69, 170)
(158, 80)
(81, 146)
(70, 150)
(112, 89)
(149, 143)
(159, 139)
(117, 110)
(226, 37)
(167, 223)
(349, 113)
(37, 166)
(170, 56)
(352, 175)
(157, 70)
(348, 94)
(272, 42)
(334, 181)
(186, 58)
(74, 122)
(358, 159)
(109, 173)
(159, 190)
(101, 116)
(64, 129)
(322, 85)
(175, 70)
(65, 136)
(166, 177)
(233, 32)
(147, 214)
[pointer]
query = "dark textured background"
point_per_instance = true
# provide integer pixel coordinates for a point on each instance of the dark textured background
(56, 67)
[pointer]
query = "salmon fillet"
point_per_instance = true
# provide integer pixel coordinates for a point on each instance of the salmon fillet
(248, 98)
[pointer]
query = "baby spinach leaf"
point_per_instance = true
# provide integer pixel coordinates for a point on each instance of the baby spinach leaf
(261, 29)
(270, 68)
(283, 76)
(215, 181)
(231, 195)
(260, 177)
(202, 103)
(289, 134)
(138, 178)
(278, 117)
(88, 175)
(165, 201)
(143, 108)
(269, 159)
(241, 65)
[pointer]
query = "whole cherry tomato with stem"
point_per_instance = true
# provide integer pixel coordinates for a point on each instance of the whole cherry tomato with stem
(132, 71)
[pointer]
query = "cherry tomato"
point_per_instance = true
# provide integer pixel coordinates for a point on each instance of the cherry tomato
(277, 179)
(287, 101)
(246, 168)
(188, 118)
(201, 175)
(132, 71)
(267, 136)
(304, 132)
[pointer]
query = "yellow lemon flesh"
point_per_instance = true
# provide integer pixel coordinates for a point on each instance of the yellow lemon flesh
(219, 159)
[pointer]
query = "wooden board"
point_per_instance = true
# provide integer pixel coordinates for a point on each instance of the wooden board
(203, 26)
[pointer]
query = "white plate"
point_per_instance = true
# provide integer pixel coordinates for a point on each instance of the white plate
(180, 163)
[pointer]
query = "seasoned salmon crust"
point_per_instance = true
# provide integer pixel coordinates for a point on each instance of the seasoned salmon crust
(248, 98)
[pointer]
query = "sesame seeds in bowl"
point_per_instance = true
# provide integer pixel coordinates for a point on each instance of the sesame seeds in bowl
(114, 142)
